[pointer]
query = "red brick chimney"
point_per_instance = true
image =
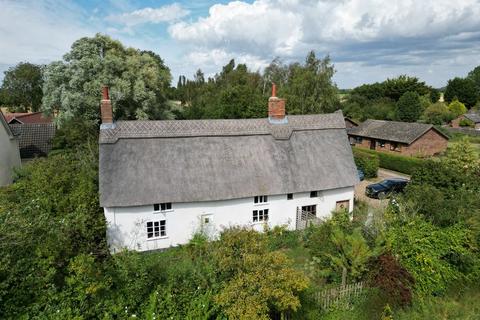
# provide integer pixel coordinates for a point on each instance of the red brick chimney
(276, 107)
(106, 106)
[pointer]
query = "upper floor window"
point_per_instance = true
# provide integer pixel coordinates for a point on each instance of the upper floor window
(260, 199)
(156, 229)
(313, 194)
(260, 215)
(162, 206)
(289, 196)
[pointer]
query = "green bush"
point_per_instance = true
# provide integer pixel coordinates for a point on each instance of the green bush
(367, 162)
(394, 162)
(466, 123)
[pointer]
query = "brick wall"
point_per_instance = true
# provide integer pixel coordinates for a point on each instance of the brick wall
(456, 122)
(427, 145)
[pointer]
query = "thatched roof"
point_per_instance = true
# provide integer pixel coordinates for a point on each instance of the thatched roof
(146, 162)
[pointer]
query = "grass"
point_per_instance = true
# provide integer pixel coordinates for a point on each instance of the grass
(459, 303)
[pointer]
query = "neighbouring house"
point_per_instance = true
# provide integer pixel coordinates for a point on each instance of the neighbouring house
(9, 152)
(162, 181)
(30, 117)
(473, 116)
(35, 133)
(405, 138)
(349, 123)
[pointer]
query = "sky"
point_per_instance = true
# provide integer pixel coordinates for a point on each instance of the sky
(367, 40)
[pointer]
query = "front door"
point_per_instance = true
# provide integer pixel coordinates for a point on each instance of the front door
(343, 205)
(373, 144)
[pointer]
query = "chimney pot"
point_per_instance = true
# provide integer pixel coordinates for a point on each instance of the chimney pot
(274, 90)
(106, 107)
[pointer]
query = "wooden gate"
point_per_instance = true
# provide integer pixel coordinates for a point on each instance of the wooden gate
(305, 218)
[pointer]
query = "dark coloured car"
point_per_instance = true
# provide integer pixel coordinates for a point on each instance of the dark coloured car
(384, 188)
(361, 175)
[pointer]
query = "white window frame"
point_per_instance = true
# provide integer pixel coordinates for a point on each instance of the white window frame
(260, 213)
(153, 227)
(160, 207)
(260, 200)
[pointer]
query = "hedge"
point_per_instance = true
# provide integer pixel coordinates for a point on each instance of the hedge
(367, 162)
(403, 164)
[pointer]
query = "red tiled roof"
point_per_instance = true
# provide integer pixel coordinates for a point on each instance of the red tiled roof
(35, 117)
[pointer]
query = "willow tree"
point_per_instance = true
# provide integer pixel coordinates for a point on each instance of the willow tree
(138, 81)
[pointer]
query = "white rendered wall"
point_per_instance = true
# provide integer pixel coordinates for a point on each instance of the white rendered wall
(9, 156)
(127, 225)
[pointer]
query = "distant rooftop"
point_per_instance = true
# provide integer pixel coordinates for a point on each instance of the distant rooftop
(404, 132)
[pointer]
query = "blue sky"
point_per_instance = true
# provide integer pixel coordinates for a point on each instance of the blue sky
(368, 40)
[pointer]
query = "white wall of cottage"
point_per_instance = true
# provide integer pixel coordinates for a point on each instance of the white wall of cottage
(127, 225)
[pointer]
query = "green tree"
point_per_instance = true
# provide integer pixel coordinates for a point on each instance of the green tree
(397, 87)
(474, 75)
(310, 88)
(409, 108)
(258, 281)
(463, 90)
(137, 81)
(21, 90)
(437, 113)
(457, 108)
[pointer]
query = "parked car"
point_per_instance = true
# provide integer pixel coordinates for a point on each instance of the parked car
(385, 188)
(360, 173)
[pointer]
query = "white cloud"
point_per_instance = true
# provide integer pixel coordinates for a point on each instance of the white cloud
(168, 13)
(38, 31)
(283, 26)
(369, 33)
(211, 61)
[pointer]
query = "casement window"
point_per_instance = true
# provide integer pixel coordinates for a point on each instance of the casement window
(394, 146)
(289, 196)
(313, 194)
(260, 215)
(162, 206)
(357, 140)
(260, 199)
(381, 143)
(310, 210)
(156, 229)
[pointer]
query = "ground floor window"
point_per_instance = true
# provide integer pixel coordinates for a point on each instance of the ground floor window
(310, 210)
(156, 229)
(260, 215)
(394, 146)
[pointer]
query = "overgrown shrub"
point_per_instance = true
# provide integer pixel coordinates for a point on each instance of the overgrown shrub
(466, 123)
(395, 282)
(367, 162)
(432, 254)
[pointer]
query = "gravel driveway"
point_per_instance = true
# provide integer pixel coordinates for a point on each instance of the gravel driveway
(382, 174)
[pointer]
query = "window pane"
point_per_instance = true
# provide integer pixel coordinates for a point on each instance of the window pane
(156, 207)
(163, 207)
(169, 206)
(156, 223)
(290, 196)
(149, 224)
(255, 200)
(265, 199)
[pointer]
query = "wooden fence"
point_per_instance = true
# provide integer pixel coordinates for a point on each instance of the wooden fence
(339, 296)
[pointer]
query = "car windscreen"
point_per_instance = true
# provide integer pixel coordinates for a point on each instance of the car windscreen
(387, 183)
